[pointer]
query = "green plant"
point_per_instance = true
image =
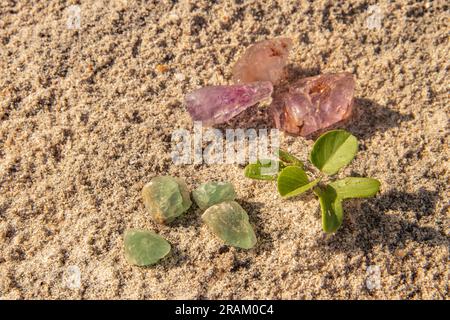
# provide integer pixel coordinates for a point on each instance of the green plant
(332, 151)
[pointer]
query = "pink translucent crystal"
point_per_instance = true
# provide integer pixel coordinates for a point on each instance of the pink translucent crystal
(218, 104)
(314, 103)
(263, 61)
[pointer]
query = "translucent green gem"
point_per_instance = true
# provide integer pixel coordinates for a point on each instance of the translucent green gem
(230, 223)
(211, 193)
(143, 248)
(166, 198)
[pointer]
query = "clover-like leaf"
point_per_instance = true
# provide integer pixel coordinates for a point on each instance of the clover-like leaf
(333, 150)
(289, 159)
(293, 181)
(355, 187)
(263, 170)
(331, 207)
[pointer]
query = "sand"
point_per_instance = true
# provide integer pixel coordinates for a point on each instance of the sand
(87, 116)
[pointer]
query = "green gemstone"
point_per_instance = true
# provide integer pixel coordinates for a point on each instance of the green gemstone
(143, 248)
(166, 198)
(230, 223)
(211, 193)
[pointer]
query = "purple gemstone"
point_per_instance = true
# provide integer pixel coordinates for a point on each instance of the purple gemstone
(314, 103)
(218, 104)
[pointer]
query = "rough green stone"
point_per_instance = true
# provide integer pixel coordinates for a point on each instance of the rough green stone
(143, 248)
(166, 198)
(230, 223)
(211, 193)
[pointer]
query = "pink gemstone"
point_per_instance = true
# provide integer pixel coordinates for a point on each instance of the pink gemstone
(218, 104)
(314, 103)
(263, 61)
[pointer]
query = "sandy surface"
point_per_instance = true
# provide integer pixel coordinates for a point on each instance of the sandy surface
(87, 117)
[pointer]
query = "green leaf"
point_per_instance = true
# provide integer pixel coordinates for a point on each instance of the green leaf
(289, 159)
(333, 150)
(293, 181)
(261, 170)
(352, 187)
(331, 206)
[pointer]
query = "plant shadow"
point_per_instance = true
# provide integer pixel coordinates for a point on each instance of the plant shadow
(368, 224)
(265, 240)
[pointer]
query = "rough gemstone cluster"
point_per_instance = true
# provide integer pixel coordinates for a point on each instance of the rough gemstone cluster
(303, 107)
(166, 198)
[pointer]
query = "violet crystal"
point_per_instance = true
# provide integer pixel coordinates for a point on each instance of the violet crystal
(263, 61)
(218, 104)
(314, 103)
